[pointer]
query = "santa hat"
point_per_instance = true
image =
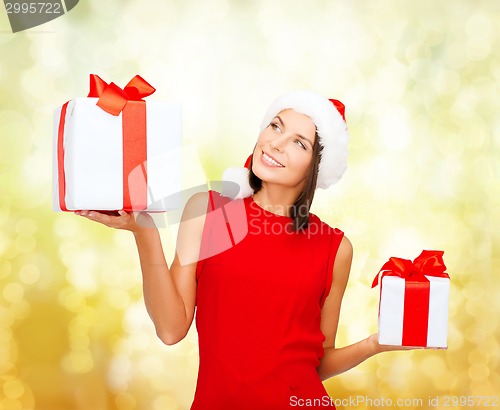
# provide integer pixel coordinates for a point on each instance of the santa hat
(327, 115)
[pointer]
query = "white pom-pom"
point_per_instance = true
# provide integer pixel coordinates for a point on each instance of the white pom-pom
(235, 183)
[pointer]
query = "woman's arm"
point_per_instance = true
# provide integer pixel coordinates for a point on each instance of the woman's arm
(336, 361)
(169, 293)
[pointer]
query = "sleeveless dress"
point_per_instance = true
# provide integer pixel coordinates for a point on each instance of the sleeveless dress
(260, 289)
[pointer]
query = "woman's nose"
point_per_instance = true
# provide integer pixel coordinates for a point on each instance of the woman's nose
(277, 143)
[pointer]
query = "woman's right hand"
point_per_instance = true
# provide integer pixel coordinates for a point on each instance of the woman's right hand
(129, 221)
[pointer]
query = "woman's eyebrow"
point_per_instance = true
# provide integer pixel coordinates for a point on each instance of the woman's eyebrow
(305, 139)
(298, 135)
(280, 120)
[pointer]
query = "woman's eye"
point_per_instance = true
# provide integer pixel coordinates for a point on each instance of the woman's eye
(299, 143)
(274, 126)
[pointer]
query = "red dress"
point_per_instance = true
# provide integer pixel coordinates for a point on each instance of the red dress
(259, 297)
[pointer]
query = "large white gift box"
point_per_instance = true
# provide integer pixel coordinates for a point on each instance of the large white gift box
(126, 160)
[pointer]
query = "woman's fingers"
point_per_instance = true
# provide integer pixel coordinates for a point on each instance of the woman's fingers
(387, 348)
(101, 218)
(120, 221)
(95, 216)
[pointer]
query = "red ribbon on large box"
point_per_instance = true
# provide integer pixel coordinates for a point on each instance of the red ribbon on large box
(417, 291)
(114, 100)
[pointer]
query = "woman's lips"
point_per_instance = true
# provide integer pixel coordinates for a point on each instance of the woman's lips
(269, 161)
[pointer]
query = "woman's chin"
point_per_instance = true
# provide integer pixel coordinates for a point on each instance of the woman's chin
(265, 174)
(269, 177)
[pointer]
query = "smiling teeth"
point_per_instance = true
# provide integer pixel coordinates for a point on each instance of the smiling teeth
(272, 161)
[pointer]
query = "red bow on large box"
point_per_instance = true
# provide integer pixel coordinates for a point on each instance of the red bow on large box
(417, 291)
(113, 99)
(129, 102)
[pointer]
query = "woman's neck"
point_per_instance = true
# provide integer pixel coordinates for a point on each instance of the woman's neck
(278, 200)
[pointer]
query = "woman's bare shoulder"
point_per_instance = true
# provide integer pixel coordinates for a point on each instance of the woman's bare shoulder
(344, 256)
(345, 246)
(196, 205)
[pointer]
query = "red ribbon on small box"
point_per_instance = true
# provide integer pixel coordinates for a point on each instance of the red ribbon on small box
(114, 100)
(417, 291)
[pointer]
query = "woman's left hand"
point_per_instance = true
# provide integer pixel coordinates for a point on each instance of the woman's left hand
(373, 339)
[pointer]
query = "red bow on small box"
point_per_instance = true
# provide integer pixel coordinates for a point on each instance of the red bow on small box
(428, 263)
(417, 291)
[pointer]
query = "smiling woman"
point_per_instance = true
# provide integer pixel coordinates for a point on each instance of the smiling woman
(277, 138)
(265, 276)
(293, 140)
(291, 129)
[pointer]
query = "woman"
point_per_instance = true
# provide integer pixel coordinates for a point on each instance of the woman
(267, 277)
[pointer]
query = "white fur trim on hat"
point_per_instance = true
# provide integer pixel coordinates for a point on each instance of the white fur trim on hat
(235, 183)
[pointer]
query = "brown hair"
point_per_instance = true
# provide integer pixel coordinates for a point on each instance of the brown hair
(302, 205)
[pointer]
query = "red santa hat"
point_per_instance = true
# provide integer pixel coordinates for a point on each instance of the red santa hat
(329, 117)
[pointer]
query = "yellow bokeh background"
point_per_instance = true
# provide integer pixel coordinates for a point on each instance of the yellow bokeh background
(420, 80)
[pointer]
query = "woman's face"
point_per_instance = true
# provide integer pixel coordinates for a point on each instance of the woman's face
(283, 153)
